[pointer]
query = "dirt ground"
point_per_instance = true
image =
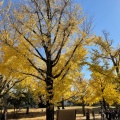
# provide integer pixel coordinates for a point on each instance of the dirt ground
(39, 114)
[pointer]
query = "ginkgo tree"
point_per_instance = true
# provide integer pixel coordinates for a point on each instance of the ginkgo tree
(43, 39)
(105, 51)
(7, 81)
(82, 92)
(104, 90)
(103, 82)
(105, 54)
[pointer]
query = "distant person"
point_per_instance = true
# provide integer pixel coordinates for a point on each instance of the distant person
(116, 114)
(107, 114)
(102, 114)
(119, 113)
(93, 114)
(113, 114)
(87, 114)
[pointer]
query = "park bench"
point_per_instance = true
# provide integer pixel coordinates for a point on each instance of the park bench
(66, 114)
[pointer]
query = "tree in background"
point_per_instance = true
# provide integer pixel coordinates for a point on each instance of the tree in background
(26, 94)
(105, 52)
(105, 70)
(81, 92)
(6, 80)
(42, 39)
(104, 88)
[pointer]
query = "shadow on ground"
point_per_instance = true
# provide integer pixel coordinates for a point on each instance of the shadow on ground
(39, 114)
(24, 115)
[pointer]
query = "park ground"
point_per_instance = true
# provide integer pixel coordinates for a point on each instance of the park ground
(39, 114)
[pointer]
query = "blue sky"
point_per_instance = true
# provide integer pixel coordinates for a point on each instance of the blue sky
(106, 16)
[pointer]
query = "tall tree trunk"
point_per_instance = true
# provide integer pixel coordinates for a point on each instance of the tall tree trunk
(49, 105)
(49, 88)
(104, 103)
(14, 108)
(49, 111)
(63, 107)
(83, 108)
(116, 105)
(27, 110)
